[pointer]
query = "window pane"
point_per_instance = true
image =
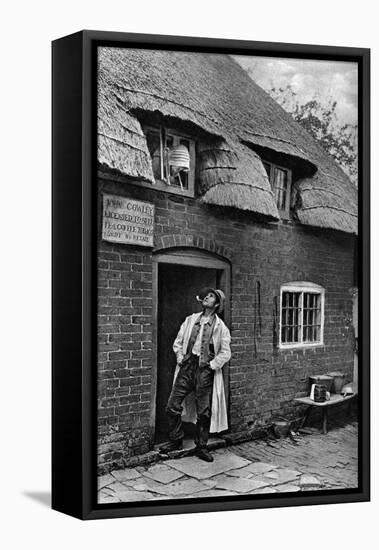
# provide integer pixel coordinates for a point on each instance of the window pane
(301, 317)
(175, 177)
(311, 317)
(290, 316)
(169, 141)
(280, 182)
(153, 140)
(279, 198)
(185, 142)
(184, 175)
(283, 179)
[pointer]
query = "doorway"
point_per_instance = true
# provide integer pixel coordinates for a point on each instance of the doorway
(179, 278)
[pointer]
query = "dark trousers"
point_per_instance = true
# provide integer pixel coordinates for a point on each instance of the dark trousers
(197, 379)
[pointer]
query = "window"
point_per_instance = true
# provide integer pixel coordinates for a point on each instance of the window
(160, 141)
(301, 314)
(280, 181)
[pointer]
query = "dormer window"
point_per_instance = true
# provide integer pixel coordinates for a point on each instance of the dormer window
(280, 181)
(161, 142)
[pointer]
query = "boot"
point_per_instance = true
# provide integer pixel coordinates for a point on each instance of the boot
(204, 454)
(171, 446)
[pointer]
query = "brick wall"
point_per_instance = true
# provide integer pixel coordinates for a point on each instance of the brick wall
(263, 380)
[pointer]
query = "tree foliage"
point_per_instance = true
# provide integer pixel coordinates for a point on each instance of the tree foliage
(320, 120)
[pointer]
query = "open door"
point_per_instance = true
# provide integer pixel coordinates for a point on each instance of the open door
(177, 287)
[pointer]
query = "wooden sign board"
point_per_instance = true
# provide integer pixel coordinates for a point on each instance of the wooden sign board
(127, 221)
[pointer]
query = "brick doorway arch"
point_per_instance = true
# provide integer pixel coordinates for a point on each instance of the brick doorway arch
(178, 275)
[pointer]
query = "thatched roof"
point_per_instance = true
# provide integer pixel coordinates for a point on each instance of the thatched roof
(214, 96)
(233, 175)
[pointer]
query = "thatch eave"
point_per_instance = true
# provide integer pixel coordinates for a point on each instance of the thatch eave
(258, 142)
(329, 202)
(327, 217)
(215, 95)
(231, 174)
(243, 197)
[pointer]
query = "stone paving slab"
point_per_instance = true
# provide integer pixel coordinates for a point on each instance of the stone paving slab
(103, 481)
(178, 488)
(260, 467)
(194, 467)
(126, 475)
(310, 482)
(125, 494)
(185, 487)
(278, 476)
(237, 484)
(109, 491)
(148, 484)
(252, 469)
(211, 482)
(241, 472)
(116, 488)
(287, 488)
(314, 462)
(314, 454)
(163, 473)
(105, 498)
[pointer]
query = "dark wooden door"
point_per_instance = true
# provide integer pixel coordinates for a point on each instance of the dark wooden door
(178, 286)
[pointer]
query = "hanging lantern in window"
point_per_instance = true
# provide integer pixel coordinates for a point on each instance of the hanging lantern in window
(179, 158)
(178, 161)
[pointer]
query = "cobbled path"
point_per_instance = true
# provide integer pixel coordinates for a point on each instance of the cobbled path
(332, 458)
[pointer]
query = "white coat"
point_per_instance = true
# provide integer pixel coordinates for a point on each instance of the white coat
(221, 343)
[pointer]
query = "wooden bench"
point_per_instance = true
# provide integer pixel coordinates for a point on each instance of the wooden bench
(335, 398)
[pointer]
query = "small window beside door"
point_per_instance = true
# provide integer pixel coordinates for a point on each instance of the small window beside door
(301, 315)
(160, 141)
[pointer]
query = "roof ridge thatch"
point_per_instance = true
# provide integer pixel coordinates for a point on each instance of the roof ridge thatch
(214, 94)
(269, 136)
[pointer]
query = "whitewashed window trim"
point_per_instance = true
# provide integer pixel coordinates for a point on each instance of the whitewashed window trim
(302, 287)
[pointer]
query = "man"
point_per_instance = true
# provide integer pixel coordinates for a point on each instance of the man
(202, 347)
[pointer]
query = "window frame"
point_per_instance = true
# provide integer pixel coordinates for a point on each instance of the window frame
(161, 184)
(302, 287)
(283, 213)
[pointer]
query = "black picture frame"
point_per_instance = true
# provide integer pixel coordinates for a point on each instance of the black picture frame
(74, 271)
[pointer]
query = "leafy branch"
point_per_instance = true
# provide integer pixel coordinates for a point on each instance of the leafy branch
(320, 120)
